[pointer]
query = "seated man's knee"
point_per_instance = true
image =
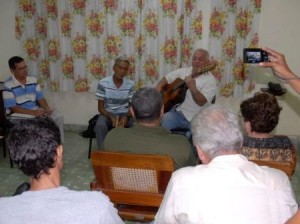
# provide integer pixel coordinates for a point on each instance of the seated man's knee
(168, 121)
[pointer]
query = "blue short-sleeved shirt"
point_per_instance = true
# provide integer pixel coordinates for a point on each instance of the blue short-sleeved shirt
(116, 100)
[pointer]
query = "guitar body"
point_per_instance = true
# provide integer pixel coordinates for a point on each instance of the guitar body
(174, 94)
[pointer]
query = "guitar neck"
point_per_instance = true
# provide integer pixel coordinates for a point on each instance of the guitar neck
(178, 83)
(203, 70)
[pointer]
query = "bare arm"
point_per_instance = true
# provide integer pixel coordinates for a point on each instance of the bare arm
(43, 104)
(105, 113)
(198, 97)
(279, 65)
(37, 112)
(295, 219)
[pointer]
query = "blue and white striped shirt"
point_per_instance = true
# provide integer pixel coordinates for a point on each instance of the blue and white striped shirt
(116, 100)
(17, 94)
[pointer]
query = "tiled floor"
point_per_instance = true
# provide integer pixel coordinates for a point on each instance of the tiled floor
(77, 172)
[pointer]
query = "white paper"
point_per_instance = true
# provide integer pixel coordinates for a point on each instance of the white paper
(19, 116)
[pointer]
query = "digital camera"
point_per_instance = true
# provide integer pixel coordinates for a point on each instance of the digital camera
(255, 55)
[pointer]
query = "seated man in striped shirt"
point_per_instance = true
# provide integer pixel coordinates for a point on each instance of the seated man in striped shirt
(22, 94)
(114, 94)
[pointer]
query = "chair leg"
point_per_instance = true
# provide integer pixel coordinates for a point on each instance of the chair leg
(90, 147)
(11, 163)
(4, 147)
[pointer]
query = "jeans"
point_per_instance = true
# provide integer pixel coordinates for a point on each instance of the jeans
(174, 120)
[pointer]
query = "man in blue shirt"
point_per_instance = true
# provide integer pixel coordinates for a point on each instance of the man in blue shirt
(22, 94)
(114, 94)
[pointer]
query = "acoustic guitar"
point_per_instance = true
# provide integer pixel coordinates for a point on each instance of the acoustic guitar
(174, 93)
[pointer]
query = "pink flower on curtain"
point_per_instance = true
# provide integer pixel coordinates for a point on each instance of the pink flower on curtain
(131, 70)
(54, 85)
(257, 5)
(67, 67)
(229, 47)
(81, 85)
(79, 46)
(169, 50)
(44, 68)
(127, 23)
(112, 46)
(65, 24)
(189, 6)
(32, 48)
(95, 24)
(150, 68)
(140, 4)
(78, 6)
(19, 26)
(28, 7)
(51, 6)
(140, 83)
(139, 45)
(40, 81)
(150, 24)
(243, 23)
(53, 50)
(238, 72)
(219, 69)
(227, 89)
(217, 23)
(251, 86)
(254, 41)
(186, 49)
(231, 4)
(97, 67)
(180, 25)
(169, 8)
(110, 6)
(41, 27)
(197, 25)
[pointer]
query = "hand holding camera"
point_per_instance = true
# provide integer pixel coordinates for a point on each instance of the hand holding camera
(267, 57)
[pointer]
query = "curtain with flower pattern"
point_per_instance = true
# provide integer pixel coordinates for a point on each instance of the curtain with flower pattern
(71, 44)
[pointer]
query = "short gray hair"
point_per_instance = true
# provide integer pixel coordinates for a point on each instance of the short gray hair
(146, 104)
(122, 58)
(203, 51)
(216, 131)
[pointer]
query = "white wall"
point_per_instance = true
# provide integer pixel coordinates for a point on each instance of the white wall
(278, 30)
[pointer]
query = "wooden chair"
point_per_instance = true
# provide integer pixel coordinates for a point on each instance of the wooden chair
(135, 183)
(286, 167)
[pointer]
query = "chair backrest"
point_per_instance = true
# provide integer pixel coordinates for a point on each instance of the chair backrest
(132, 179)
(285, 166)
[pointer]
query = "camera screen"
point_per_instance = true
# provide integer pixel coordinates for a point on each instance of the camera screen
(253, 56)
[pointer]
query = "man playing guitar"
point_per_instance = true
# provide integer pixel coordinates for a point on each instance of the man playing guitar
(201, 91)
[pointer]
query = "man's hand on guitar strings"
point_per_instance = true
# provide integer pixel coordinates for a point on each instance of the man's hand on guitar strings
(190, 82)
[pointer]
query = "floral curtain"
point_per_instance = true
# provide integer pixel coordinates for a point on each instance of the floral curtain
(71, 44)
(233, 27)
